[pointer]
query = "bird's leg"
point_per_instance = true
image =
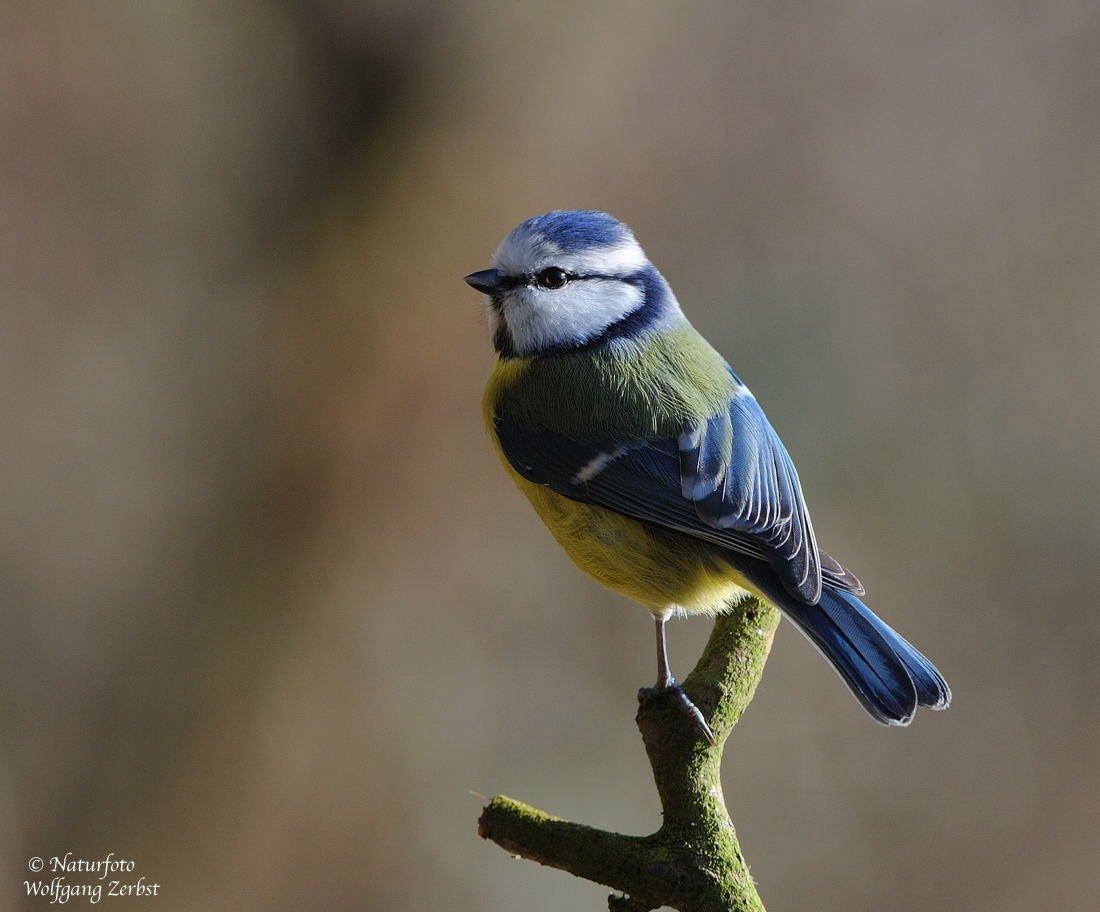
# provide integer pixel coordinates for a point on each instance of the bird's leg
(665, 680)
(667, 685)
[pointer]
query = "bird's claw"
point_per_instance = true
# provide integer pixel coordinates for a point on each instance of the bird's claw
(675, 691)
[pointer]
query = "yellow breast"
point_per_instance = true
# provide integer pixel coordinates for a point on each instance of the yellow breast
(659, 568)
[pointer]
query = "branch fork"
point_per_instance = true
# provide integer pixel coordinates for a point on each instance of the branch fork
(693, 863)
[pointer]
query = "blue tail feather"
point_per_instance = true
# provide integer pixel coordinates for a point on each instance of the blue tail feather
(885, 673)
(860, 654)
(932, 690)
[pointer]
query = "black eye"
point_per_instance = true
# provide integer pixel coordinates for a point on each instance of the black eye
(552, 277)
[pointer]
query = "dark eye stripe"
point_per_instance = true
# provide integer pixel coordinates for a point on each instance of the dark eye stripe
(533, 277)
(506, 283)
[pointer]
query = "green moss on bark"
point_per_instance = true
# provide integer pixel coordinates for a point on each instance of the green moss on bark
(693, 862)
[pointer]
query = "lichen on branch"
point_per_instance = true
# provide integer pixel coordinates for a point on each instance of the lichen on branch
(693, 863)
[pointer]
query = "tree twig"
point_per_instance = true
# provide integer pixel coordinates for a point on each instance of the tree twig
(693, 862)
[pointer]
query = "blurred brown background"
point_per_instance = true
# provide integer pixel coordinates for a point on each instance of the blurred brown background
(271, 608)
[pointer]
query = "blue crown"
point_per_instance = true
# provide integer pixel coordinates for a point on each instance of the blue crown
(573, 230)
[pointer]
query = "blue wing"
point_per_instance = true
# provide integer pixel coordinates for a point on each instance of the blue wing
(727, 480)
(737, 473)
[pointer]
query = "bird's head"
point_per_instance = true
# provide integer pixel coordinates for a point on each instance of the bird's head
(567, 280)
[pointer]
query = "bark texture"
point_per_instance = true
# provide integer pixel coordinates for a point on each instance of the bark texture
(693, 863)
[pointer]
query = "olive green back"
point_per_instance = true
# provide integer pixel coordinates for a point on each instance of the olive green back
(641, 388)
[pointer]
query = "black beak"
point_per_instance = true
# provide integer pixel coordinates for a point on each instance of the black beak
(488, 281)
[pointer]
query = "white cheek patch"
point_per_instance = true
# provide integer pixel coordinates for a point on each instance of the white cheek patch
(541, 318)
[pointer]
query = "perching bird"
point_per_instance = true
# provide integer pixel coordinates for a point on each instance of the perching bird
(653, 465)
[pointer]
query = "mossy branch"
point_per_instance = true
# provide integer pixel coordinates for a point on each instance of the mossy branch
(693, 862)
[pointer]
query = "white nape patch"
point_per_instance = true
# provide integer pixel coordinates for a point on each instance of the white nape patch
(591, 469)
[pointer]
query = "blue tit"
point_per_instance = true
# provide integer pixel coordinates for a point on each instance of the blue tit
(653, 465)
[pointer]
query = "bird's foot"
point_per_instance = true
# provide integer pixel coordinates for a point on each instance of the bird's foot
(675, 691)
